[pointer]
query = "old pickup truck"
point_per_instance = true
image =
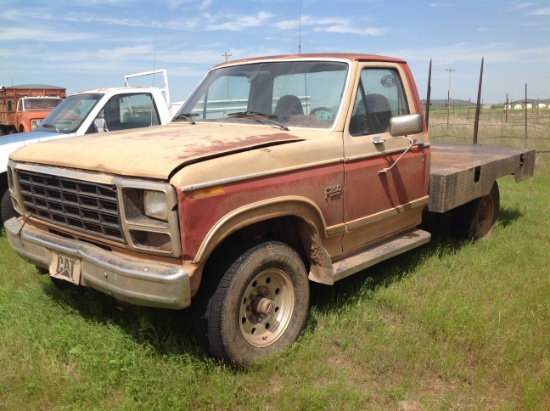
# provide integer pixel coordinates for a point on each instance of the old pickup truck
(22, 108)
(275, 172)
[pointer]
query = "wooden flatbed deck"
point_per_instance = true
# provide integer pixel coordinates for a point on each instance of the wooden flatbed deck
(463, 172)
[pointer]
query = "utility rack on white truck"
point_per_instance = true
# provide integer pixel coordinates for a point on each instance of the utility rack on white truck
(276, 171)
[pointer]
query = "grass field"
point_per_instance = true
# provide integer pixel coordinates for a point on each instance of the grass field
(450, 326)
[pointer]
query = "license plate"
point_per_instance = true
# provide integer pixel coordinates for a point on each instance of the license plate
(65, 268)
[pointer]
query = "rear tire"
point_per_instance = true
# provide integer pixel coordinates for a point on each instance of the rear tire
(259, 307)
(477, 218)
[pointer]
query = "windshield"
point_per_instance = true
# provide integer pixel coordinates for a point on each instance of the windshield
(295, 94)
(69, 115)
(40, 103)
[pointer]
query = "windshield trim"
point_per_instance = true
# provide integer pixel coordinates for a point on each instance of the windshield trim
(267, 60)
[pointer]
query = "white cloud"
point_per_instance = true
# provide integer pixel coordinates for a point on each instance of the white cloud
(345, 29)
(240, 23)
(525, 5)
(329, 25)
(472, 53)
(43, 35)
(204, 5)
(540, 12)
(287, 24)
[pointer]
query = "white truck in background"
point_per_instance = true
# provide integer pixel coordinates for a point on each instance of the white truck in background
(92, 111)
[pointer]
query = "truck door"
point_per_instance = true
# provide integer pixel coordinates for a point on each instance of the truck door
(380, 203)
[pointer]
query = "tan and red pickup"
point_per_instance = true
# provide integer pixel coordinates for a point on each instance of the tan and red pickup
(277, 171)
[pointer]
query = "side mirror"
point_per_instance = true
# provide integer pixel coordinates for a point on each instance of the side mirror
(100, 125)
(405, 125)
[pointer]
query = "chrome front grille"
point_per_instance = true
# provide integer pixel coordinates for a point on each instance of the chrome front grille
(83, 206)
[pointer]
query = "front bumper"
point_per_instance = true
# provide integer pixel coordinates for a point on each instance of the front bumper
(144, 283)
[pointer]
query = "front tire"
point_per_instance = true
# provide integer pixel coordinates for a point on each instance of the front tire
(260, 305)
(6, 207)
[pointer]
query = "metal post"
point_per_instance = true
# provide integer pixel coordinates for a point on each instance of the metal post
(449, 94)
(478, 106)
(525, 111)
(429, 95)
(506, 108)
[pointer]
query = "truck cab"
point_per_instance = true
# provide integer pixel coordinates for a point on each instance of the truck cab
(31, 110)
(104, 110)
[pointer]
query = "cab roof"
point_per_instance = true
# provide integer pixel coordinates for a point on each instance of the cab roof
(320, 56)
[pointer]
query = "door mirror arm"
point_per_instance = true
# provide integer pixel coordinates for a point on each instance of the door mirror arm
(412, 142)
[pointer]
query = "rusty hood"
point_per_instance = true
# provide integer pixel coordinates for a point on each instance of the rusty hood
(152, 152)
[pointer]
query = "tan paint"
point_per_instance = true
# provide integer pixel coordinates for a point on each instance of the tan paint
(166, 147)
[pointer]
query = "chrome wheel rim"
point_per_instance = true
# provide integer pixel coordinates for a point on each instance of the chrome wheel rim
(266, 308)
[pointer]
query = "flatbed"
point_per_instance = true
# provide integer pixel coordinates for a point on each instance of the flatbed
(461, 173)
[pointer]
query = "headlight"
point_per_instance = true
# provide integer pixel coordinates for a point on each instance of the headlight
(35, 124)
(149, 216)
(155, 205)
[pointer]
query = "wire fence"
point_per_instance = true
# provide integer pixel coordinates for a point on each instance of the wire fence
(526, 128)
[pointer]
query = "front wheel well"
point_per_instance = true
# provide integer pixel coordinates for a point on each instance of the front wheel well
(289, 230)
(6, 207)
(3, 181)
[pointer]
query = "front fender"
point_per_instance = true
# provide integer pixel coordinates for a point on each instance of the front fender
(260, 211)
(314, 235)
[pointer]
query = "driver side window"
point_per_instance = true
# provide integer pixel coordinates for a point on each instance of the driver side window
(380, 96)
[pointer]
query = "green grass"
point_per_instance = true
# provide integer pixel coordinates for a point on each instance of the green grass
(450, 326)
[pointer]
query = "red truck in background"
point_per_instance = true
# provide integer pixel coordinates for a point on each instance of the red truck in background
(23, 107)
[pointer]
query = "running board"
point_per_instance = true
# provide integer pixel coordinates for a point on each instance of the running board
(387, 249)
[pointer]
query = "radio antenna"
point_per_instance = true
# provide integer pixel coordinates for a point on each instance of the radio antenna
(155, 53)
(154, 70)
(300, 30)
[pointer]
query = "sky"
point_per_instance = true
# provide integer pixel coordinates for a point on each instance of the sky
(86, 44)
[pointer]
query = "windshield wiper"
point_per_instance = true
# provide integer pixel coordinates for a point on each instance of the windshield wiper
(186, 116)
(261, 116)
(48, 125)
